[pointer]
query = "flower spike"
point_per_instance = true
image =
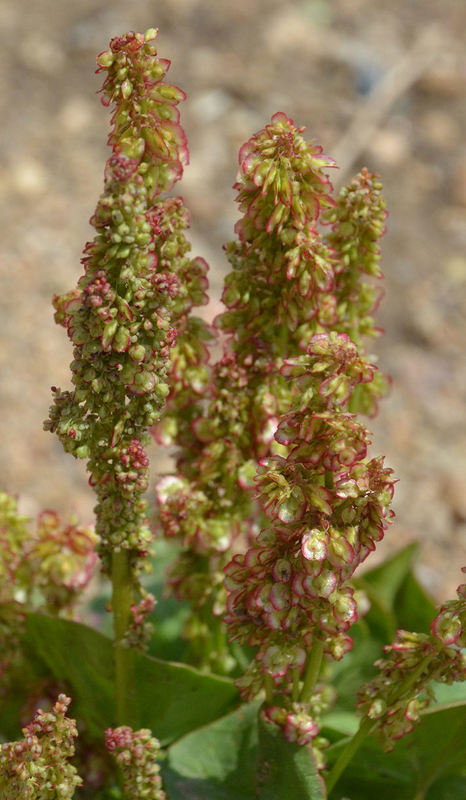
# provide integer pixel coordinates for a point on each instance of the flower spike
(131, 304)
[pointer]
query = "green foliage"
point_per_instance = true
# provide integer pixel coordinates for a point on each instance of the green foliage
(285, 769)
(424, 766)
(396, 597)
(169, 698)
(240, 757)
(216, 762)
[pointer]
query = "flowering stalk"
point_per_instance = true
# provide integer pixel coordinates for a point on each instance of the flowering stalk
(391, 703)
(38, 765)
(288, 283)
(328, 506)
(312, 472)
(138, 285)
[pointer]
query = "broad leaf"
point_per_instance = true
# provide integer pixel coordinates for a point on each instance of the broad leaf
(385, 580)
(82, 659)
(174, 699)
(382, 585)
(239, 758)
(20, 682)
(413, 608)
(216, 762)
(285, 770)
(170, 699)
(338, 724)
(424, 765)
(356, 667)
(397, 601)
(169, 614)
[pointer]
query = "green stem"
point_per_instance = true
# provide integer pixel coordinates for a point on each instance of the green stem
(295, 687)
(367, 724)
(353, 404)
(122, 600)
(312, 670)
(269, 688)
(410, 679)
(347, 754)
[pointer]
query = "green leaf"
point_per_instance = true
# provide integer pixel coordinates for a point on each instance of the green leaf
(449, 694)
(385, 580)
(424, 765)
(414, 609)
(357, 666)
(20, 681)
(170, 699)
(80, 657)
(216, 762)
(234, 758)
(340, 723)
(397, 599)
(285, 770)
(169, 614)
(451, 787)
(174, 699)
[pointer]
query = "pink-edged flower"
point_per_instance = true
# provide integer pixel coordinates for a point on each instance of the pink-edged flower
(335, 360)
(449, 626)
(298, 726)
(278, 661)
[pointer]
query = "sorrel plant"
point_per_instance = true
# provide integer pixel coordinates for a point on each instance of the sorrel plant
(272, 505)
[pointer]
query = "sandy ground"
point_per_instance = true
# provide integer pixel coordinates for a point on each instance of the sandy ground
(325, 64)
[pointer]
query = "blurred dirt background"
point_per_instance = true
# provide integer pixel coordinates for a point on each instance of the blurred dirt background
(378, 84)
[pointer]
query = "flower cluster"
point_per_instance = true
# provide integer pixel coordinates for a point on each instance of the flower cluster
(400, 691)
(140, 629)
(133, 300)
(136, 753)
(14, 536)
(38, 765)
(327, 506)
(57, 558)
(449, 626)
(15, 579)
(45, 568)
(358, 223)
(281, 294)
(299, 721)
(62, 557)
(298, 725)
